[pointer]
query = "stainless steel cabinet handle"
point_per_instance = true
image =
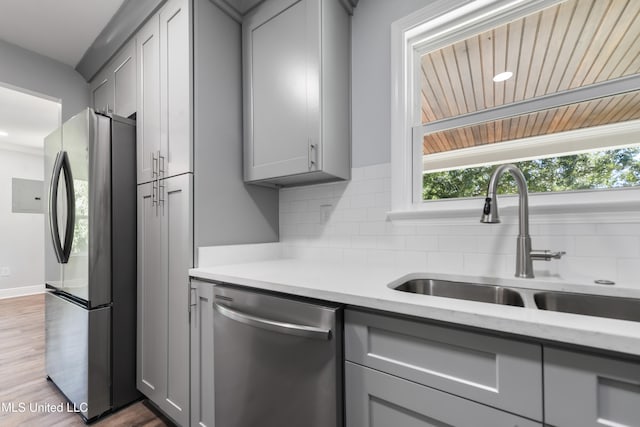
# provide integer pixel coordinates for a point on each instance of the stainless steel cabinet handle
(161, 164)
(154, 193)
(154, 165)
(273, 325)
(161, 191)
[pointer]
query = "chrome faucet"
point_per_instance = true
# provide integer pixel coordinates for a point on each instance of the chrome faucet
(524, 254)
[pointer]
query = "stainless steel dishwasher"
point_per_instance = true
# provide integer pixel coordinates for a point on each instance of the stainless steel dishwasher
(277, 361)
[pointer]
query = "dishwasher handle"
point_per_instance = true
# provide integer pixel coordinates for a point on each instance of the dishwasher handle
(273, 325)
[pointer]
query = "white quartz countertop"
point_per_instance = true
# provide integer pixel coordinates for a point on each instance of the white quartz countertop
(369, 287)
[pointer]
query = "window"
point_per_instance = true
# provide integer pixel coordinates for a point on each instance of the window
(550, 85)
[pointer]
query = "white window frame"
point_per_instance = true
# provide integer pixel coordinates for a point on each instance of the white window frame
(438, 25)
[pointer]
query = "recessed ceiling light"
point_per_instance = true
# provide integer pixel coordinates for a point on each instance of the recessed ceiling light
(3, 133)
(502, 76)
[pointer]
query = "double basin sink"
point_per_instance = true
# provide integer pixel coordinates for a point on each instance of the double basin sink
(585, 304)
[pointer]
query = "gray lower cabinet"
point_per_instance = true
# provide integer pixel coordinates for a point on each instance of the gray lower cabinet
(495, 371)
(584, 390)
(164, 258)
(374, 398)
(202, 385)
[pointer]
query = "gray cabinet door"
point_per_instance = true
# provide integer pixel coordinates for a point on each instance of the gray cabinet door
(282, 72)
(583, 390)
(296, 92)
(175, 89)
(500, 372)
(102, 92)
(374, 399)
(123, 73)
(202, 386)
(148, 100)
(175, 261)
(152, 298)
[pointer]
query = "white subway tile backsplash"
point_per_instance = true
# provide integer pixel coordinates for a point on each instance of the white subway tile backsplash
(462, 244)
(364, 242)
(376, 214)
(608, 246)
(422, 243)
(383, 200)
(353, 215)
(618, 229)
(484, 264)
(363, 201)
(381, 257)
(445, 262)
(398, 229)
(587, 269)
(377, 228)
(391, 242)
(566, 229)
(414, 260)
(347, 222)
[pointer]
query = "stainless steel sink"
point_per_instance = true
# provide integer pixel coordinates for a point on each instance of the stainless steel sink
(463, 290)
(590, 305)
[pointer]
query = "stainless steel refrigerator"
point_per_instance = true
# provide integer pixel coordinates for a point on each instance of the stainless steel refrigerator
(90, 262)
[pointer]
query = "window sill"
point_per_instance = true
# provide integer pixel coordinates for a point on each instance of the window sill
(601, 206)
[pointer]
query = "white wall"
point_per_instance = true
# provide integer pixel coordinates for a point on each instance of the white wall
(357, 230)
(21, 235)
(28, 70)
(371, 82)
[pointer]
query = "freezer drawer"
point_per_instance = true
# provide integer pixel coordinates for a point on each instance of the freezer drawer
(277, 361)
(78, 353)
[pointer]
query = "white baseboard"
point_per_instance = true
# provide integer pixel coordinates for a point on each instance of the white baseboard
(21, 291)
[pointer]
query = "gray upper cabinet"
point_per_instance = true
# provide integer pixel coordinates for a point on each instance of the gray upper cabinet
(297, 102)
(583, 390)
(483, 368)
(374, 398)
(113, 90)
(124, 81)
(148, 117)
(175, 89)
(102, 94)
(165, 146)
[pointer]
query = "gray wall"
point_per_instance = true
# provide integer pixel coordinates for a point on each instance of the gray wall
(29, 70)
(371, 86)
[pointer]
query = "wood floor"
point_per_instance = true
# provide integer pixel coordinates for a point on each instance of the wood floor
(23, 379)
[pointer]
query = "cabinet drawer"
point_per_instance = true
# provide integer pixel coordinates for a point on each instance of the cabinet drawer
(583, 390)
(374, 398)
(495, 371)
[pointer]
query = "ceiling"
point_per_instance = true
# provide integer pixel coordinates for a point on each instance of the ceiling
(60, 29)
(570, 45)
(27, 119)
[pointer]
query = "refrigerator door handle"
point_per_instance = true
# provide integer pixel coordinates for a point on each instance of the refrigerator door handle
(71, 208)
(62, 164)
(53, 207)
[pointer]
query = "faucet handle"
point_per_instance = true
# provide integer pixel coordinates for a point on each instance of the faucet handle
(546, 255)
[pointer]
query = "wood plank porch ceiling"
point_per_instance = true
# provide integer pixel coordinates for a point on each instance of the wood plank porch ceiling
(569, 45)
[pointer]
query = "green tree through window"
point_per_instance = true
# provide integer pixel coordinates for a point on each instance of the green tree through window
(597, 170)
